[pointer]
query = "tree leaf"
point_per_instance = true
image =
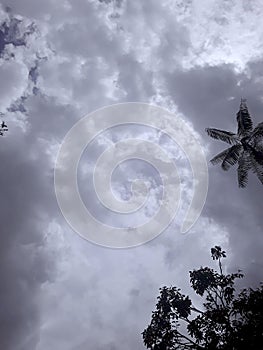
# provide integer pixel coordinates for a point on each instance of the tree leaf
(219, 157)
(232, 156)
(223, 135)
(244, 165)
(244, 120)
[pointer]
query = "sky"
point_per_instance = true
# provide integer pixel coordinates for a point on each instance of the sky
(61, 60)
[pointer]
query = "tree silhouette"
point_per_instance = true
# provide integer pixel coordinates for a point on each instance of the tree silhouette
(246, 149)
(227, 320)
(3, 128)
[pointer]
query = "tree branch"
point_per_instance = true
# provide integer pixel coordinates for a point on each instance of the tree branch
(193, 308)
(220, 266)
(190, 341)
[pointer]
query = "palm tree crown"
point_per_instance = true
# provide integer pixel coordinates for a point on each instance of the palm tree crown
(246, 146)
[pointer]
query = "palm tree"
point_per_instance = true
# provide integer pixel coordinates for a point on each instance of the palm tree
(246, 147)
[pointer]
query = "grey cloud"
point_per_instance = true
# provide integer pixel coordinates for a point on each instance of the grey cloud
(25, 177)
(23, 263)
(27, 8)
(63, 292)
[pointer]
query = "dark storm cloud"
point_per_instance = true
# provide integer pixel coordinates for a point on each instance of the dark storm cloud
(195, 91)
(2, 41)
(23, 264)
(24, 178)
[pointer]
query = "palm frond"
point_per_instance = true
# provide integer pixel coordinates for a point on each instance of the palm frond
(219, 157)
(245, 124)
(244, 165)
(256, 153)
(222, 135)
(256, 168)
(258, 131)
(232, 156)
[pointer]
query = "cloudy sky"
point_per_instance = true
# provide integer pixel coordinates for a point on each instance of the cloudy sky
(60, 60)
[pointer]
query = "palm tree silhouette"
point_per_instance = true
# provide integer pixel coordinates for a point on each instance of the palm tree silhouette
(246, 149)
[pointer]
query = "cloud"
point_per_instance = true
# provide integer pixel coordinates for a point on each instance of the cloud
(24, 265)
(15, 75)
(58, 290)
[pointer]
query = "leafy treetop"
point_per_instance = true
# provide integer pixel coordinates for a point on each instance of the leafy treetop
(227, 320)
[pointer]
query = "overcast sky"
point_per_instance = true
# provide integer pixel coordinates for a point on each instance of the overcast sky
(60, 60)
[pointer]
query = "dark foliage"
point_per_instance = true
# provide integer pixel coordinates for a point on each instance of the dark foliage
(3, 128)
(227, 320)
